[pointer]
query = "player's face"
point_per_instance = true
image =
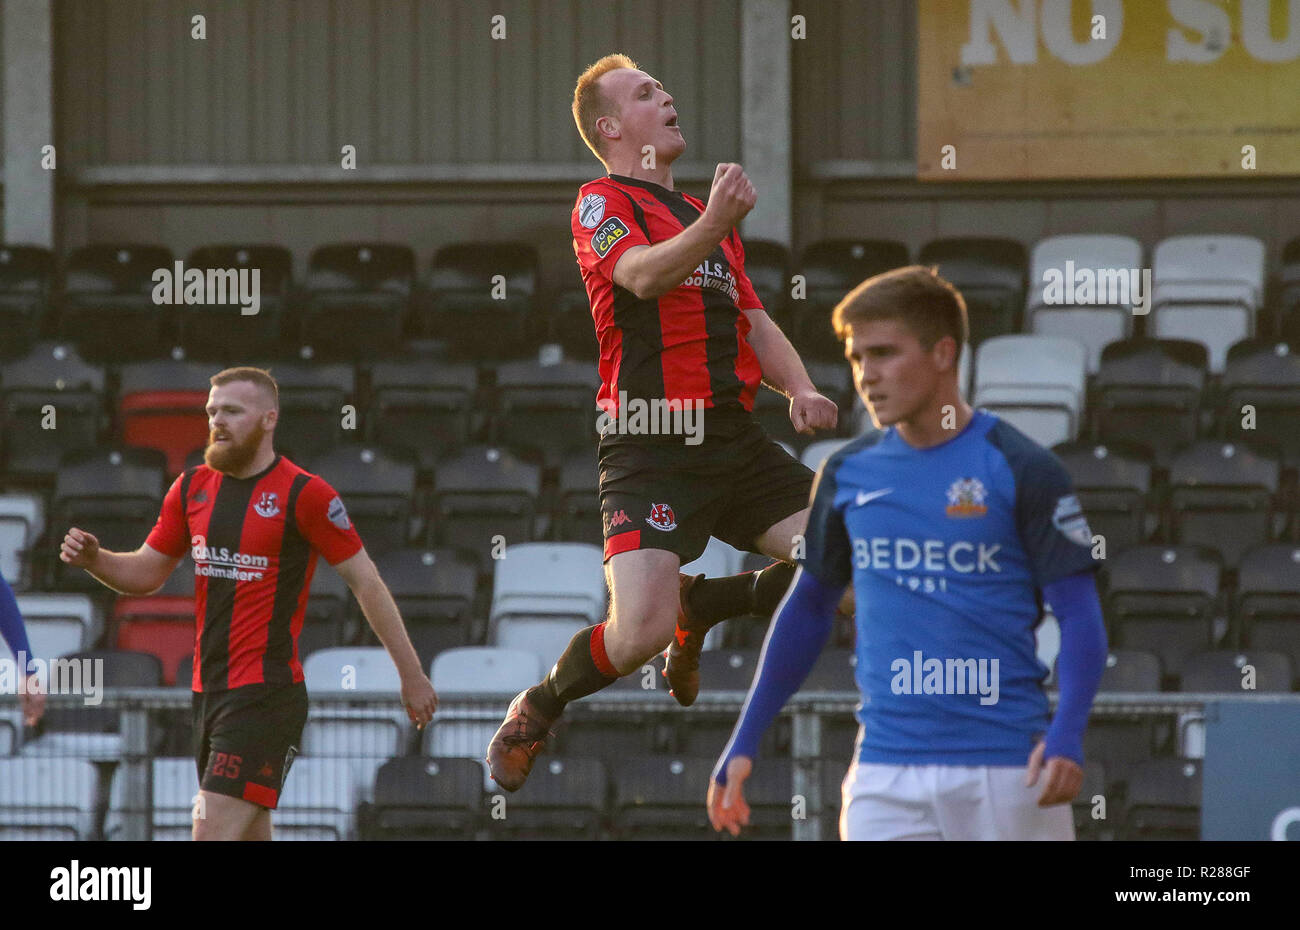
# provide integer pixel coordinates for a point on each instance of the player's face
(896, 377)
(239, 417)
(646, 115)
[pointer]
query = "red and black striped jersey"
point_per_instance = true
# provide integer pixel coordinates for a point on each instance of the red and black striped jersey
(689, 344)
(254, 543)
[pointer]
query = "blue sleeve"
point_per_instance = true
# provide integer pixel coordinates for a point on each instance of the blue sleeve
(1080, 663)
(799, 630)
(11, 622)
(827, 552)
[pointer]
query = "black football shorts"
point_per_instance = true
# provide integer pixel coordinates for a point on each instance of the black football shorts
(668, 495)
(245, 739)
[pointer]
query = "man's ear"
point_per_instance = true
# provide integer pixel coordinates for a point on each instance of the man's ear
(608, 127)
(944, 353)
(270, 418)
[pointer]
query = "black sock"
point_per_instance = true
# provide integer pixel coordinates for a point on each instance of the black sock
(771, 586)
(576, 674)
(712, 600)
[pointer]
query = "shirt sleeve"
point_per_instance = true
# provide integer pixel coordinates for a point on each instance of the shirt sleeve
(827, 553)
(324, 521)
(605, 226)
(1052, 524)
(169, 535)
(748, 297)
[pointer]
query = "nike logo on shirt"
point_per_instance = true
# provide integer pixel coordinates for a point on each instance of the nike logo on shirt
(866, 497)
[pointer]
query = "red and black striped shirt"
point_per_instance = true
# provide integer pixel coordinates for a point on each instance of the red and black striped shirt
(254, 543)
(690, 344)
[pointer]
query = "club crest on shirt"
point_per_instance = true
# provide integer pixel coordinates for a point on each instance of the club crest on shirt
(591, 211)
(338, 514)
(1070, 520)
(268, 506)
(966, 498)
(662, 517)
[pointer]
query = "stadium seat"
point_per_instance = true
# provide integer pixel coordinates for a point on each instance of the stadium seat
(108, 306)
(1224, 671)
(1163, 599)
(175, 789)
(1087, 827)
(22, 523)
(717, 561)
(418, 798)
(1267, 604)
(834, 672)
(159, 625)
(480, 298)
(648, 727)
(543, 636)
(728, 669)
(1113, 484)
(312, 395)
(318, 801)
(767, 264)
(1130, 671)
(161, 406)
(546, 409)
(1036, 383)
(483, 496)
(818, 452)
(328, 599)
(577, 515)
(572, 326)
(1164, 800)
(223, 331)
(1208, 289)
(1221, 496)
(26, 282)
(348, 670)
(550, 579)
(1265, 376)
(485, 673)
(833, 773)
(990, 273)
(47, 799)
(356, 298)
(1148, 392)
(434, 590)
(660, 798)
(1287, 319)
(114, 493)
(1119, 743)
(833, 379)
(421, 405)
(52, 376)
(1097, 322)
(54, 621)
(563, 799)
(830, 269)
(377, 488)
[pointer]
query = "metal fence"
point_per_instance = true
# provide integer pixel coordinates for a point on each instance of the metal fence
(622, 764)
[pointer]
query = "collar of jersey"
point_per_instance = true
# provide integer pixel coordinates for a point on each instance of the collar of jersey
(648, 185)
(261, 474)
(977, 414)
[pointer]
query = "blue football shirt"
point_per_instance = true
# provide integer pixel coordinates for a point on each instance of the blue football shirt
(948, 549)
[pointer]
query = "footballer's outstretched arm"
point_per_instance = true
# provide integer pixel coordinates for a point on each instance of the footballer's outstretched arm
(798, 633)
(650, 271)
(138, 573)
(784, 370)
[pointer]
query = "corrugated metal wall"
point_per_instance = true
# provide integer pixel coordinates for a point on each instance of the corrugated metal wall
(405, 81)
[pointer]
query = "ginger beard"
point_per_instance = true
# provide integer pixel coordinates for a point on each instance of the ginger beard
(233, 455)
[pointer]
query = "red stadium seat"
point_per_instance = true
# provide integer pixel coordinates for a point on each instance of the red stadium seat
(171, 421)
(160, 626)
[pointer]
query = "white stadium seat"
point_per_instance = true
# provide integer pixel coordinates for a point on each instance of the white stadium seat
(559, 579)
(350, 669)
(22, 521)
(464, 732)
(46, 798)
(716, 561)
(56, 619)
(175, 786)
(820, 451)
(544, 637)
(1036, 383)
(318, 801)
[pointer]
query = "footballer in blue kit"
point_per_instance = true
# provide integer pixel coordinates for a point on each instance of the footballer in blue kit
(953, 528)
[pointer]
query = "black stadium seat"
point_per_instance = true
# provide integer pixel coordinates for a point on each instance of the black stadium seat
(108, 306)
(328, 599)
(422, 405)
(1222, 497)
(577, 517)
(1113, 484)
(1224, 671)
(572, 325)
(661, 798)
(423, 798)
(53, 375)
(357, 297)
(224, 332)
(312, 395)
(1264, 375)
(767, 265)
(481, 299)
(484, 495)
(1163, 599)
(1148, 392)
(546, 409)
(377, 489)
(990, 273)
(1164, 800)
(831, 268)
(26, 282)
(434, 590)
(563, 799)
(1266, 613)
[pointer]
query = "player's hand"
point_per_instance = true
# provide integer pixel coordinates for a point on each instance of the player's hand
(726, 804)
(811, 411)
(33, 703)
(80, 549)
(419, 699)
(731, 197)
(1063, 780)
